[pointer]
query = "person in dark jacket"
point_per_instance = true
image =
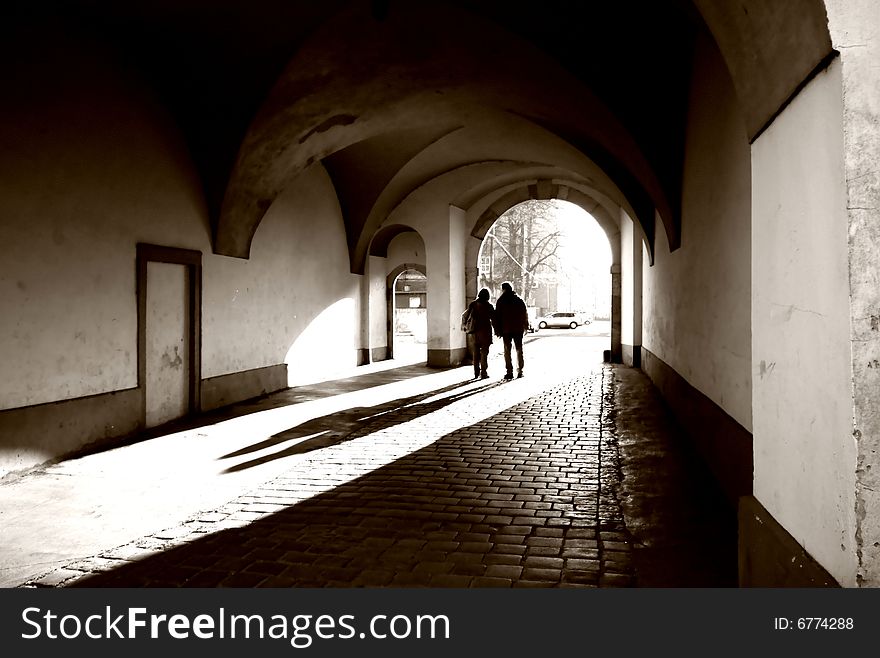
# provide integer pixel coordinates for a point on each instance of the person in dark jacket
(478, 319)
(511, 321)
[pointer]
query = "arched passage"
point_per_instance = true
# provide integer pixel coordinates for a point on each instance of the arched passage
(559, 261)
(391, 284)
(598, 209)
(325, 150)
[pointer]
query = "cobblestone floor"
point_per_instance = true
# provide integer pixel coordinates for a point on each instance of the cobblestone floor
(450, 488)
(523, 498)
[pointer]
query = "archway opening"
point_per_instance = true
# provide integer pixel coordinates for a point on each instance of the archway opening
(559, 260)
(410, 317)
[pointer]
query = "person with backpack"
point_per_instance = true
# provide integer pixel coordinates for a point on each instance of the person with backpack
(477, 322)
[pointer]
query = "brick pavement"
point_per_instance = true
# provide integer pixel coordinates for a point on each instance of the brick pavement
(523, 498)
(454, 488)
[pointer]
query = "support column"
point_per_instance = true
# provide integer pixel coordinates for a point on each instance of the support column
(470, 285)
(616, 352)
(445, 250)
(378, 321)
(631, 292)
(638, 259)
(363, 340)
(472, 272)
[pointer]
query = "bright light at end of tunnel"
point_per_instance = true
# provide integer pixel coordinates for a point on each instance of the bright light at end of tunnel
(585, 240)
(325, 347)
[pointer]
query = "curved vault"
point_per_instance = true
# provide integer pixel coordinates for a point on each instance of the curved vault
(265, 89)
(289, 85)
(366, 119)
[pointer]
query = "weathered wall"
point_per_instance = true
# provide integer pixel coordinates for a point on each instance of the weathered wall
(855, 33)
(88, 167)
(835, 279)
(697, 299)
(804, 448)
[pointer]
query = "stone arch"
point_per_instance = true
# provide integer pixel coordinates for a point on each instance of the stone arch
(300, 123)
(389, 297)
(384, 236)
(545, 190)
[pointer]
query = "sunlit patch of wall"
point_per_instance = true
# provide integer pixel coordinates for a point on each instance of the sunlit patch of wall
(325, 348)
(257, 309)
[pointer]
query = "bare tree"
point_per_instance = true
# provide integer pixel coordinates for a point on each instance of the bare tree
(521, 247)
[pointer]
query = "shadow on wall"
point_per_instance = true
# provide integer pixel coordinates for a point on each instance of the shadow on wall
(326, 348)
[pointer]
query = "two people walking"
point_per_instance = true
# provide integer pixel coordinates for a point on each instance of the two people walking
(508, 320)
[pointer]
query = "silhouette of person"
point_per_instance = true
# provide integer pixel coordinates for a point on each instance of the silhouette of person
(511, 321)
(478, 318)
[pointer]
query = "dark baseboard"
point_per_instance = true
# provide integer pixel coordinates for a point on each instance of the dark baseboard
(44, 433)
(769, 556)
(724, 444)
(631, 355)
(228, 389)
(34, 435)
(379, 354)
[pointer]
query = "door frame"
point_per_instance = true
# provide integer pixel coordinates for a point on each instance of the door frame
(192, 260)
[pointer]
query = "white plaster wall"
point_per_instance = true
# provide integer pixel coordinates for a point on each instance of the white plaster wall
(638, 265)
(88, 167)
(696, 301)
(804, 448)
(295, 300)
(405, 248)
(626, 282)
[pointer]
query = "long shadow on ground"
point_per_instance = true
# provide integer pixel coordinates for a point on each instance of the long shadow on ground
(513, 500)
(338, 427)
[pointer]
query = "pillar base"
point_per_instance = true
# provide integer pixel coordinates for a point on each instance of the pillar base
(631, 355)
(446, 358)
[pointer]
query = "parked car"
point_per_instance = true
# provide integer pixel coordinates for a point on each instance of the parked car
(562, 319)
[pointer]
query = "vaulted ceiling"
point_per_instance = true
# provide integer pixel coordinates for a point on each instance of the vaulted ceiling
(388, 95)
